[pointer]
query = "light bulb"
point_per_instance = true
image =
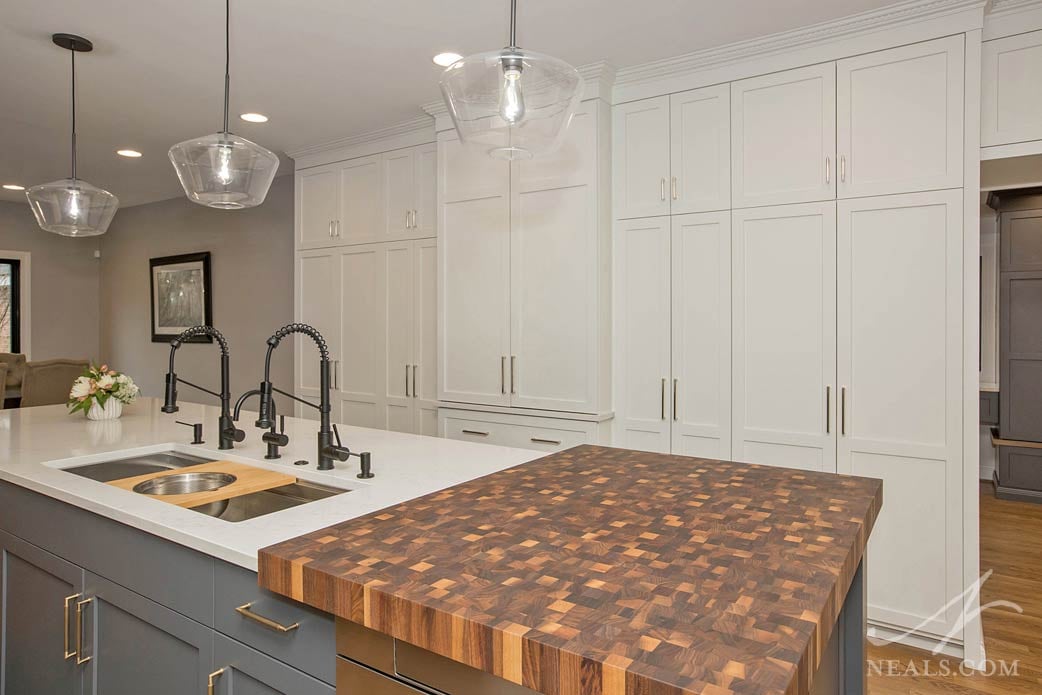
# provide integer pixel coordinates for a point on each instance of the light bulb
(512, 101)
(224, 161)
(74, 204)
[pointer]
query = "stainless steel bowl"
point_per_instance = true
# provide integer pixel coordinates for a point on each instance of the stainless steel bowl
(184, 483)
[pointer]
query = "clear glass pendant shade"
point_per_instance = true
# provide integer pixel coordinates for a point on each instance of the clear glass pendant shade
(72, 207)
(515, 103)
(224, 170)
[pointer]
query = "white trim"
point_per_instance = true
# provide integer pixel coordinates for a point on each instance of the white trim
(1016, 149)
(418, 131)
(1010, 17)
(911, 639)
(887, 27)
(25, 328)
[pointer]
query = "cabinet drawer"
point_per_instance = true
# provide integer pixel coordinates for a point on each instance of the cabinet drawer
(308, 646)
(541, 434)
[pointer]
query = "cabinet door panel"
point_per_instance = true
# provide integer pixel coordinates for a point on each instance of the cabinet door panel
(701, 326)
(474, 300)
(248, 672)
(900, 115)
(425, 337)
(316, 206)
(641, 151)
(1011, 93)
(700, 150)
(399, 184)
(398, 321)
(32, 613)
(783, 135)
(361, 201)
(363, 343)
(554, 297)
(468, 173)
(642, 333)
(318, 305)
(784, 333)
(900, 357)
(426, 191)
(139, 644)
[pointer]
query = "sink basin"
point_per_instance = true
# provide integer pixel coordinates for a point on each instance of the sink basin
(255, 504)
(184, 483)
(141, 464)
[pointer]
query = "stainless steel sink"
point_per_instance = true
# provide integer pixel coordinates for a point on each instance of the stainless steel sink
(184, 483)
(142, 464)
(276, 499)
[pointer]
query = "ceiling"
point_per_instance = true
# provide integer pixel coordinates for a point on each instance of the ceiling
(320, 70)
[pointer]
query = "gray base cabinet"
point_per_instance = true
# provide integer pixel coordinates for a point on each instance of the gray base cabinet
(246, 671)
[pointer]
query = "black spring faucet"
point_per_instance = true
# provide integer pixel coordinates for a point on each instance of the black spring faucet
(228, 432)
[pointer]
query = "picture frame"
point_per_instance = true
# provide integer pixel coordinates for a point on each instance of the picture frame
(180, 296)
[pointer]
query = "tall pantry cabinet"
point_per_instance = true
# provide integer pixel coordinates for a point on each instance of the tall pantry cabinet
(366, 279)
(825, 287)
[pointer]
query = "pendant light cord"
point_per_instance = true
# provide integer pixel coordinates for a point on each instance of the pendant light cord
(73, 52)
(227, 58)
(513, 23)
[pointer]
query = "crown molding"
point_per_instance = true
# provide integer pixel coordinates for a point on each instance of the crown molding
(758, 49)
(415, 131)
(1009, 17)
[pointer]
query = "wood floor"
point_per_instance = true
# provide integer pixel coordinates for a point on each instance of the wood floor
(1011, 545)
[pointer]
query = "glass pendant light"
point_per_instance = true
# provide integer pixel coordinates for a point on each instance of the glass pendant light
(72, 207)
(514, 102)
(223, 170)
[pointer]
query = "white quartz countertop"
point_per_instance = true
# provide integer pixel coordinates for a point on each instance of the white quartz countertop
(37, 443)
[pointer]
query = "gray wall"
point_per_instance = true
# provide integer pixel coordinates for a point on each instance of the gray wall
(64, 289)
(252, 264)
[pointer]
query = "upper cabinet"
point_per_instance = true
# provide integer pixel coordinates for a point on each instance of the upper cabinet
(1011, 90)
(384, 197)
(783, 137)
(672, 154)
(900, 119)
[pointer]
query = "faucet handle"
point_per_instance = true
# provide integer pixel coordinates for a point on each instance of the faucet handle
(336, 433)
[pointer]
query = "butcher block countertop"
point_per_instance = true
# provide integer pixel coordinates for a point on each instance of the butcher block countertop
(600, 571)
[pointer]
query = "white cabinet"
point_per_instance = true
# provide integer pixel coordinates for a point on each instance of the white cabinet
(520, 431)
(523, 259)
(362, 305)
(900, 360)
(672, 154)
(673, 342)
(382, 197)
(783, 137)
(784, 333)
(1011, 90)
(900, 119)
(318, 305)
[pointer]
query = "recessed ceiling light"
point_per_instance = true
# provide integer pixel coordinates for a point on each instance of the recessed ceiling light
(128, 153)
(14, 187)
(446, 59)
(254, 117)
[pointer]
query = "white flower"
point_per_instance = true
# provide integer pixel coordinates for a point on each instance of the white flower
(80, 388)
(106, 382)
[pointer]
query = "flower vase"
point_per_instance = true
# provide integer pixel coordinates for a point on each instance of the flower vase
(112, 409)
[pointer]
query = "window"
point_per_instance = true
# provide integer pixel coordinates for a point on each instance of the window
(10, 305)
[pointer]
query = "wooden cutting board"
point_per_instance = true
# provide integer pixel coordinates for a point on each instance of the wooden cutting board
(247, 479)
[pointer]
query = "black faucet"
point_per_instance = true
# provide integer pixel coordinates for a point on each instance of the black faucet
(228, 432)
(328, 452)
(272, 439)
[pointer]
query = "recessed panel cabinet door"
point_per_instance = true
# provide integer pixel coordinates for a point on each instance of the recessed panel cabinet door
(642, 333)
(361, 201)
(363, 341)
(900, 356)
(318, 305)
(249, 672)
(1011, 91)
(397, 323)
(316, 207)
(426, 205)
(900, 119)
(640, 130)
(701, 326)
(700, 150)
(783, 137)
(36, 632)
(784, 333)
(399, 184)
(425, 337)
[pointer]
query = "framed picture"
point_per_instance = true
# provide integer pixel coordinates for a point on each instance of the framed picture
(180, 296)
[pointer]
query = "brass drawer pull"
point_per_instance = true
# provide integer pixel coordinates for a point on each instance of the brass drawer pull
(476, 433)
(538, 440)
(80, 660)
(68, 600)
(244, 611)
(210, 680)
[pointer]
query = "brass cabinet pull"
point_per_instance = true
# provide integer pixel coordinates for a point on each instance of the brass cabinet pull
(674, 187)
(502, 372)
(476, 433)
(843, 168)
(538, 440)
(80, 659)
(828, 409)
(408, 219)
(211, 680)
(828, 170)
(407, 381)
(415, 368)
(331, 229)
(244, 611)
(338, 229)
(675, 418)
(662, 399)
(662, 188)
(513, 371)
(65, 637)
(843, 411)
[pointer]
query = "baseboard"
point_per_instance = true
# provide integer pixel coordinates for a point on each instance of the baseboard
(952, 648)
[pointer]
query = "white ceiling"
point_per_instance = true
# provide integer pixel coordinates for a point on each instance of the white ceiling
(321, 70)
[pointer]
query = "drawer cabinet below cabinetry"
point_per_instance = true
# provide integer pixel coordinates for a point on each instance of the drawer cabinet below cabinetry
(521, 431)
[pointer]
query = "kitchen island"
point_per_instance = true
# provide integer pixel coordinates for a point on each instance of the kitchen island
(599, 571)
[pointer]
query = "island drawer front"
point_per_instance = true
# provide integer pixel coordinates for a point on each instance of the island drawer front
(307, 647)
(352, 679)
(113, 550)
(541, 434)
